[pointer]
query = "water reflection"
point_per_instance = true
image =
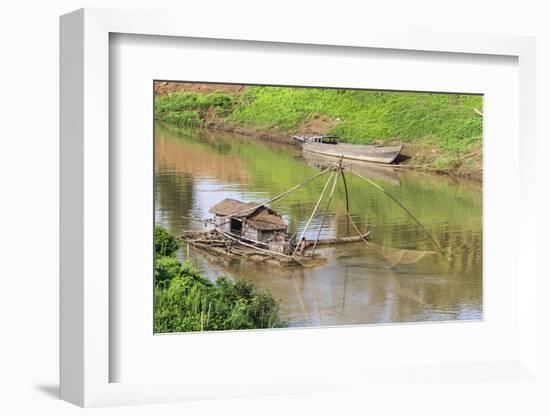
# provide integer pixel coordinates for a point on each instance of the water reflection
(397, 278)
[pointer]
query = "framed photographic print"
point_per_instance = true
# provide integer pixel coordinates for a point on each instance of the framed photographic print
(283, 195)
(308, 207)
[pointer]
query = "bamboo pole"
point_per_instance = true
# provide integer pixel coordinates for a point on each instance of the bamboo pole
(287, 192)
(356, 228)
(254, 247)
(348, 215)
(347, 198)
(404, 209)
(325, 213)
(341, 240)
(277, 198)
(313, 213)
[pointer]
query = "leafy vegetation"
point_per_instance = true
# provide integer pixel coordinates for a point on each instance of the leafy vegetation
(165, 243)
(184, 118)
(186, 301)
(187, 109)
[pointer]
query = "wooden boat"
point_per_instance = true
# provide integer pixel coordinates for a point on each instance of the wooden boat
(365, 153)
(228, 245)
(340, 240)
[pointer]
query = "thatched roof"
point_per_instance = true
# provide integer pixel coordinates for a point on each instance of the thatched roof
(267, 220)
(259, 216)
(234, 208)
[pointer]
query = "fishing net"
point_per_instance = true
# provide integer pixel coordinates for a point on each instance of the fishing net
(404, 256)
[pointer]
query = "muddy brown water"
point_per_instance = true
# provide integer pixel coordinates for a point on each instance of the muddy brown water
(396, 278)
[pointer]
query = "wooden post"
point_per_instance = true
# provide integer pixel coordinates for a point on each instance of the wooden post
(347, 198)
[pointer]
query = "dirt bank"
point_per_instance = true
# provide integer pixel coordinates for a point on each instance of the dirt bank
(164, 87)
(317, 124)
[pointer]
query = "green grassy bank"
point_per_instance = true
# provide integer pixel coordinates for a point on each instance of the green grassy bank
(440, 129)
(185, 301)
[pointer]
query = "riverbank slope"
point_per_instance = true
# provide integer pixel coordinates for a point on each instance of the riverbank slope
(441, 132)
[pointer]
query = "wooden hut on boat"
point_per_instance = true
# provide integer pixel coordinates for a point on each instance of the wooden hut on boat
(250, 221)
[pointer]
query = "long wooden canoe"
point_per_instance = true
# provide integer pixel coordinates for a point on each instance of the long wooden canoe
(366, 153)
(340, 240)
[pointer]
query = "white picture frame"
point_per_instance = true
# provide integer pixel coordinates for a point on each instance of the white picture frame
(86, 356)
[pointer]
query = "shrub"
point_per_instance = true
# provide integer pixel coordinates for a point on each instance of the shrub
(189, 109)
(184, 118)
(185, 301)
(166, 268)
(165, 243)
(191, 303)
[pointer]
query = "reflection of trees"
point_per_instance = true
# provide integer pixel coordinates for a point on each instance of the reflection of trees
(197, 158)
(174, 197)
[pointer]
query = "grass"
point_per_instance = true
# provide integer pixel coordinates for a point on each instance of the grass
(446, 163)
(187, 109)
(363, 117)
(447, 121)
(186, 301)
(184, 118)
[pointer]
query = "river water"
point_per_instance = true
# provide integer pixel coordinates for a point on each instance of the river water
(397, 277)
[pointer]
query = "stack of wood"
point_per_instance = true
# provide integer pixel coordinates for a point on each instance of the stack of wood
(219, 243)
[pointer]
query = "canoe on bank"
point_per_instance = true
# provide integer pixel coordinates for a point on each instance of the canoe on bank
(366, 153)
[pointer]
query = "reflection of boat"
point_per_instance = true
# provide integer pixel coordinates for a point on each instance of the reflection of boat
(365, 153)
(370, 170)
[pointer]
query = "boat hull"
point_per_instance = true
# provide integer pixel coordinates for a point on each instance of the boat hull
(341, 240)
(365, 153)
